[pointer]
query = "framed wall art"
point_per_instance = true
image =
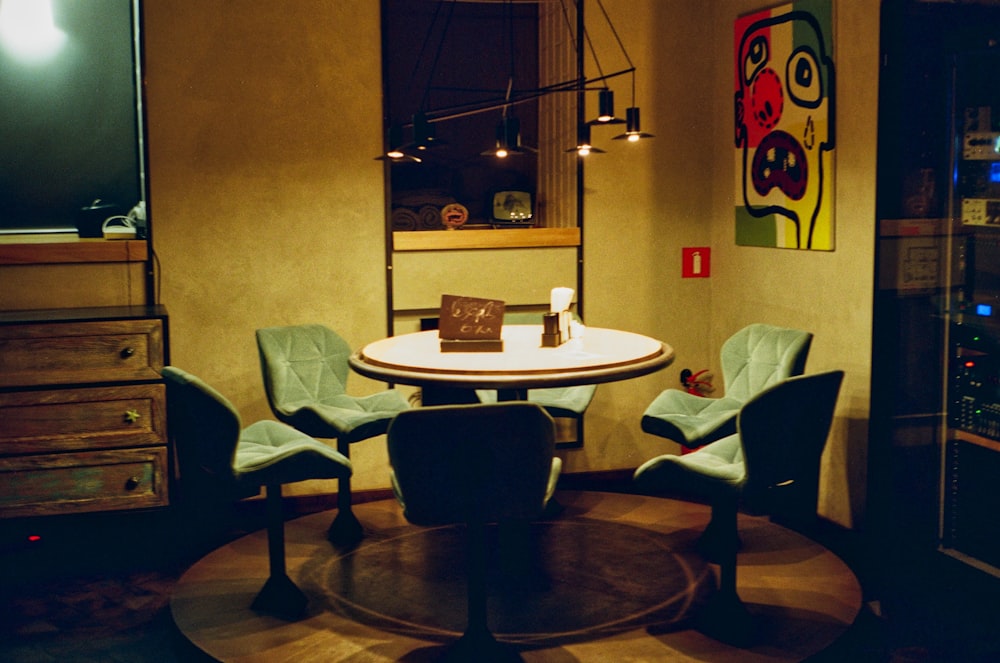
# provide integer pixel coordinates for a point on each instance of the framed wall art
(784, 101)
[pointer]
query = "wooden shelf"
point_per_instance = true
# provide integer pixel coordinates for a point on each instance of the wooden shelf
(61, 249)
(501, 238)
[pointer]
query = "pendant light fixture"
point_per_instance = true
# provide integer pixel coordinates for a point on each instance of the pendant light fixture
(396, 152)
(633, 132)
(508, 134)
(424, 136)
(605, 100)
(605, 97)
(606, 109)
(583, 144)
(507, 138)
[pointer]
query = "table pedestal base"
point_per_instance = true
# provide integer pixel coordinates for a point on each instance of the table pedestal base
(439, 395)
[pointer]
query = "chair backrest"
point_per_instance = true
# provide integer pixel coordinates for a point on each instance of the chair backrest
(204, 425)
(302, 364)
(472, 463)
(783, 432)
(761, 355)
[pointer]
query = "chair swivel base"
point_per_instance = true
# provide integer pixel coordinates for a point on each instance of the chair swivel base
(725, 618)
(479, 646)
(280, 597)
(345, 531)
(715, 545)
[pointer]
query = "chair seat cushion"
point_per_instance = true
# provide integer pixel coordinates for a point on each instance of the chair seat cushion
(557, 401)
(271, 453)
(344, 416)
(691, 420)
(716, 470)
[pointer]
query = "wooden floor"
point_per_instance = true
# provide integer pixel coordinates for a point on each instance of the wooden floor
(615, 575)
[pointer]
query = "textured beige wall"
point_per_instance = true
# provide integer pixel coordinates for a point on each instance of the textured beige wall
(828, 293)
(267, 206)
(644, 204)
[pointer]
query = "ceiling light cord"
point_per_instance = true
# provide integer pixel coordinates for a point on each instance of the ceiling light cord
(437, 52)
(611, 25)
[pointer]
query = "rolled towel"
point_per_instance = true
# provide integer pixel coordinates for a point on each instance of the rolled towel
(430, 218)
(404, 219)
(419, 198)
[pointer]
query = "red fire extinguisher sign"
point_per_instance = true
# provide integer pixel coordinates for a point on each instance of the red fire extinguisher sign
(696, 262)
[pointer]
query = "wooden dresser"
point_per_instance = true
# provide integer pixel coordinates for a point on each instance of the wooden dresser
(83, 410)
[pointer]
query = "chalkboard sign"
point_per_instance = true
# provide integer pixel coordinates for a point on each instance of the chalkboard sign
(470, 324)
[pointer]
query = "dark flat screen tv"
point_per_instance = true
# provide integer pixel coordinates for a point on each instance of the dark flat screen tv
(70, 118)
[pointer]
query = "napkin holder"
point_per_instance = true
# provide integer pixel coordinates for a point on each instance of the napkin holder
(556, 324)
(551, 334)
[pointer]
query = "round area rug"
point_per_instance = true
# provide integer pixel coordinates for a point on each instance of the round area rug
(558, 582)
(614, 577)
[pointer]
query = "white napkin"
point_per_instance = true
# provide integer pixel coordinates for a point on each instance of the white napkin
(559, 302)
(560, 299)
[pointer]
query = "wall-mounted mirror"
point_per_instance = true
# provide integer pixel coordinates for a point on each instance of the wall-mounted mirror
(456, 63)
(71, 120)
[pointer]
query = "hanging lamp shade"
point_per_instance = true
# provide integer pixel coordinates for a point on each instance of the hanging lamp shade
(423, 132)
(606, 109)
(394, 147)
(508, 140)
(583, 144)
(633, 132)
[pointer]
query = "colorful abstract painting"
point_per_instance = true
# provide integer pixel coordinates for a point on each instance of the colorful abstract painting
(785, 126)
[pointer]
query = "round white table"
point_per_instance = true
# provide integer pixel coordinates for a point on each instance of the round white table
(601, 355)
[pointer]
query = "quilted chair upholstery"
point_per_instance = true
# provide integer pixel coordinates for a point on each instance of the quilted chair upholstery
(474, 465)
(305, 370)
(752, 359)
(214, 449)
(563, 402)
(771, 466)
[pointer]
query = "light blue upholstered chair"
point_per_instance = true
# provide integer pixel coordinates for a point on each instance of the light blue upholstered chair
(752, 359)
(771, 465)
(215, 451)
(474, 465)
(560, 402)
(305, 370)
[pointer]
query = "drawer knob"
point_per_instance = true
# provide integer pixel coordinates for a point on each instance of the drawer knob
(127, 352)
(132, 416)
(132, 483)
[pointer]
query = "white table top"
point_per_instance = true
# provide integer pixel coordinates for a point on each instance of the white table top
(602, 355)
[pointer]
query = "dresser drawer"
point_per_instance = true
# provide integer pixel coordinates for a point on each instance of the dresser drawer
(78, 482)
(80, 352)
(51, 420)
